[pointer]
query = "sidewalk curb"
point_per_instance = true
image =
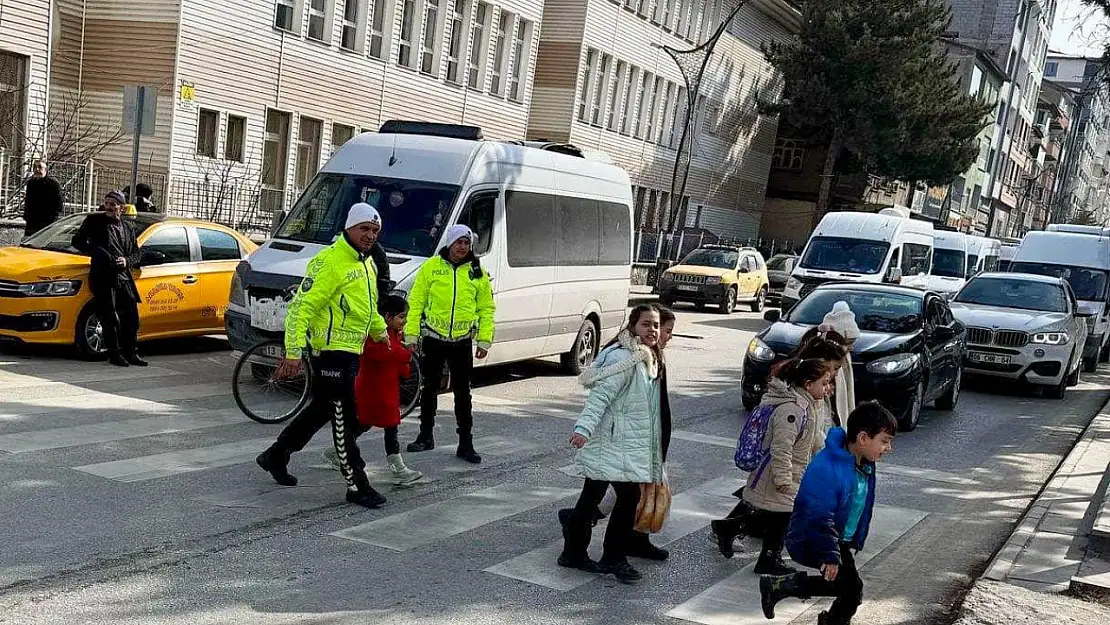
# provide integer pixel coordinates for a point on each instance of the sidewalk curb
(1003, 562)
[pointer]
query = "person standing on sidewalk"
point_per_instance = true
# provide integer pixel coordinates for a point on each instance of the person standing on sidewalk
(42, 200)
(334, 311)
(450, 305)
(113, 252)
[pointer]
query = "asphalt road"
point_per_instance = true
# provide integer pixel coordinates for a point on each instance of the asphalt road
(130, 496)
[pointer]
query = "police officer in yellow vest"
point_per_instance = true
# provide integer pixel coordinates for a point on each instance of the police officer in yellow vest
(450, 307)
(333, 313)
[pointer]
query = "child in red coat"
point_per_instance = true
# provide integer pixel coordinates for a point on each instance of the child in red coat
(378, 386)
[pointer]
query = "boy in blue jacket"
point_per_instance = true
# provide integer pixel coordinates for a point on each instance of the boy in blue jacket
(832, 515)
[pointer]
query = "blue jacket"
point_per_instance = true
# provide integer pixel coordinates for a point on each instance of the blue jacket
(821, 507)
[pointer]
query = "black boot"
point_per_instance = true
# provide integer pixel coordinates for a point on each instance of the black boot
(423, 442)
(466, 449)
(619, 569)
(727, 531)
(365, 496)
(639, 546)
(825, 618)
(118, 360)
(775, 589)
(276, 467)
(771, 563)
(133, 359)
(576, 542)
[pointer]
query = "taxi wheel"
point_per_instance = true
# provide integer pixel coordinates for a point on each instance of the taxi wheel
(89, 334)
(760, 300)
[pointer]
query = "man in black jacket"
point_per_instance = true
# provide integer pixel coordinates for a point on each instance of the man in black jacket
(110, 243)
(42, 200)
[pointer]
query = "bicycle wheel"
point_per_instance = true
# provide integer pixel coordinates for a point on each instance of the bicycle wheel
(260, 396)
(411, 387)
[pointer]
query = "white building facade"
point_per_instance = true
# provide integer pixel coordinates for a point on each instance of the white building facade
(25, 50)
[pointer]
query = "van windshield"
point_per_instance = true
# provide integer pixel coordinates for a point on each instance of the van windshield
(948, 263)
(847, 255)
(414, 213)
(1088, 284)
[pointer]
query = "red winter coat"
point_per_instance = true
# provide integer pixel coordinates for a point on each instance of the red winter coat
(378, 385)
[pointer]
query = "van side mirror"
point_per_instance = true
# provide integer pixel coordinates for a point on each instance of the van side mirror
(894, 274)
(1086, 311)
(772, 315)
(744, 270)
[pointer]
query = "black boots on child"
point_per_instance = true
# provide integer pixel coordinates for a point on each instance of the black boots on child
(726, 532)
(772, 590)
(276, 467)
(576, 543)
(771, 563)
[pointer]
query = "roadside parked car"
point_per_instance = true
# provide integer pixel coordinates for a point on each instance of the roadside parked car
(779, 269)
(183, 280)
(910, 351)
(1023, 327)
(717, 274)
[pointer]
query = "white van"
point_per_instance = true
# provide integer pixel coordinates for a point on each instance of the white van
(1006, 255)
(1077, 229)
(1083, 260)
(982, 254)
(554, 230)
(862, 247)
(951, 263)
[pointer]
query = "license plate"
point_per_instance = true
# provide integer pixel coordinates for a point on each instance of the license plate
(992, 359)
(268, 314)
(273, 351)
(687, 287)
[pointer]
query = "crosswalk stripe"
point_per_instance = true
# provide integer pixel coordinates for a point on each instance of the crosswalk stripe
(691, 510)
(438, 521)
(177, 462)
(84, 375)
(735, 600)
(136, 400)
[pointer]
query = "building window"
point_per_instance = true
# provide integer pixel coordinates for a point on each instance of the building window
(588, 71)
(283, 15)
(656, 92)
(207, 125)
(641, 105)
(457, 46)
(612, 119)
(601, 87)
(522, 52)
(499, 57)
(478, 44)
(1051, 68)
(275, 149)
(404, 52)
(789, 155)
(712, 117)
(377, 30)
(681, 107)
(340, 134)
(428, 44)
(308, 150)
(629, 99)
(317, 20)
(353, 18)
(13, 102)
(666, 116)
(235, 138)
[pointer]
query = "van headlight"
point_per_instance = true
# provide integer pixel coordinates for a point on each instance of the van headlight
(1051, 338)
(793, 286)
(237, 295)
(891, 365)
(53, 288)
(758, 350)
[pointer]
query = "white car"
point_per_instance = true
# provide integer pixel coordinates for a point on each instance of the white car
(1023, 327)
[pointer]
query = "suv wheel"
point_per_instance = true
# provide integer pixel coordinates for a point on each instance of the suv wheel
(728, 301)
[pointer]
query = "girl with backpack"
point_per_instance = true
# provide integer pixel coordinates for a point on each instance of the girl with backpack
(776, 445)
(619, 438)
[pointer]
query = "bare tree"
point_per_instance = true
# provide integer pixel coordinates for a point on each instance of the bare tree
(226, 191)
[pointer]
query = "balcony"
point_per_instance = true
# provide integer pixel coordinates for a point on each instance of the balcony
(1038, 130)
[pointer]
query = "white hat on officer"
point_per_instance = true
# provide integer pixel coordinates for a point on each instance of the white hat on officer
(460, 231)
(362, 213)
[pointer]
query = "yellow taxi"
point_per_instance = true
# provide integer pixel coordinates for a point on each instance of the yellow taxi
(183, 278)
(717, 274)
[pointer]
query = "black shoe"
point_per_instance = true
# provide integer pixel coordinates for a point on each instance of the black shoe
(772, 564)
(366, 497)
(118, 360)
(724, 531)
(135, 360)
(774, 589)
(621, 570)
(277, 470)
(468, 454)
(640, 547)
(582, 563)
(422, 443)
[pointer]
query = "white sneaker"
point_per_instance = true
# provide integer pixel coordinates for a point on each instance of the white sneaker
(401, 473)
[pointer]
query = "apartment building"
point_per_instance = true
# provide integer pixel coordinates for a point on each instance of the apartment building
(1056, 113)
(1081, 170)
(25, 29)
(603, 82)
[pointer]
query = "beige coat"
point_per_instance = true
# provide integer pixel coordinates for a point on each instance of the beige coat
(793, 437)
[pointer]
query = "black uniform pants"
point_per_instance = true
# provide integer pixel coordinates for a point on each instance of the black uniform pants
(119, 318)
(459, 358)
(333, 400)
(621, 520)
(847, 588)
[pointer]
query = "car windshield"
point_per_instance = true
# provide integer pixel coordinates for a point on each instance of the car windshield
(58, 236)
(1006, 292)
(414, 213)
(718, 259)
(847, 255)
(1088, 284)
(948, 263)
(779, 263)
(875, 311)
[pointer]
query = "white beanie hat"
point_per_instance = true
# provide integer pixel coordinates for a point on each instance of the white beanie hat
(459, 231)
(362, 213)
(841, 320)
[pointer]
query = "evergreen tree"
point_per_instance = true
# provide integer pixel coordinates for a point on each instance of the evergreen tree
(870, 78)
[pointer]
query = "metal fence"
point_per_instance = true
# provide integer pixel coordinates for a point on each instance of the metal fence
(247, 208)
(651, 247)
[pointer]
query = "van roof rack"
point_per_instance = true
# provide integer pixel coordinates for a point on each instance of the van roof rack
(431, 129)
(550, 146)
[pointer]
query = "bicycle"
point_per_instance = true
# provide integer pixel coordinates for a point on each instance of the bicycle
(266, 399)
